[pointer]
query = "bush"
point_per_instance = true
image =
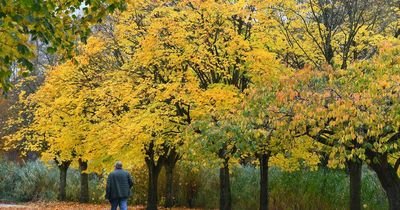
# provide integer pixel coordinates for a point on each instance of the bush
(323, 189)
(32, 181)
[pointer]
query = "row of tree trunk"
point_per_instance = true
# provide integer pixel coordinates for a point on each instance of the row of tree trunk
(154, 166)
(387, 174)
(84, 180)
(385, 171)
(154, 172)
(225, 189)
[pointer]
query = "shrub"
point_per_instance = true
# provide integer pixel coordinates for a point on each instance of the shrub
(323, 189)
(29, 182)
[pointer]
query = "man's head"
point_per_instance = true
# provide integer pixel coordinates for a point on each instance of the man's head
(118, 165)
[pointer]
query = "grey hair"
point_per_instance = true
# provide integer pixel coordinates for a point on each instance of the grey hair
(118, 165)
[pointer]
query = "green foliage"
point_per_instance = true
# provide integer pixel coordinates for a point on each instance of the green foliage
(32, 181)
(58, 24)
(96, 186)
(245, 187)
(322, 189)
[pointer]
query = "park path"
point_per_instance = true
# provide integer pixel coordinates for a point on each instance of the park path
(58, 206)
(13, 206)
(65, 206)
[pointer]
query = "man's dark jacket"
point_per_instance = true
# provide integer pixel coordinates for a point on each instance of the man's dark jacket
(119, 184)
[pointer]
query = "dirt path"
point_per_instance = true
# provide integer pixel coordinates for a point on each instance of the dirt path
(6, 206)
(60, 206)
(65, 206)
(14, 206)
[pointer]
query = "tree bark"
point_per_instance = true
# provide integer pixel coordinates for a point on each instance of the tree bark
(169, 198)
(264, 181)
(63, 167)
(225, 200)
(154, 168)
(397, 34)
(328, 49)
(84, 194)
(152, 199)
(389, 180)
(191, 192)
(344, 61)
(170, 164)
(355, 172)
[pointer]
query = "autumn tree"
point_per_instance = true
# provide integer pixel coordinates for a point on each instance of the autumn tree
(353, 114)
(25, 139)
(63, 113)
(18, 111)
(332, 32)
(264, 133)
(163, 87)
(181, 51)
(214, 135)
(219, 46)
(229, 45)
(90, 98)
(308, 96)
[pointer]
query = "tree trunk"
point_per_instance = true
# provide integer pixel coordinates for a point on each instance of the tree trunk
(169, 198)
(329, 53)
(346, 52)
(63, 167)
(152, 200)
(389, 180)
(154, 168)
(170, 164)
(344, 62)
(225, 200)
(397, 34)
(191, 192)
(264, 181)
(84, 196)
(355, 170)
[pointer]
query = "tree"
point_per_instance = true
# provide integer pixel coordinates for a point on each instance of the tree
(229, 41)
(332, 32)
(63, 112)
(177, 61)
(182, 51)
(265, 136)
(220, 41)
(25, 139)
(316, 112)
(163, 87)
(14, 109)
(218, 134)
(354, 114)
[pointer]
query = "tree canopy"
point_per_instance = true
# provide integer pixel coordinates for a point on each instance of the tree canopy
(57, 24)
(217, 83)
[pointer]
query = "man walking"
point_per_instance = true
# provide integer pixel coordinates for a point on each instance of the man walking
(118, 190)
